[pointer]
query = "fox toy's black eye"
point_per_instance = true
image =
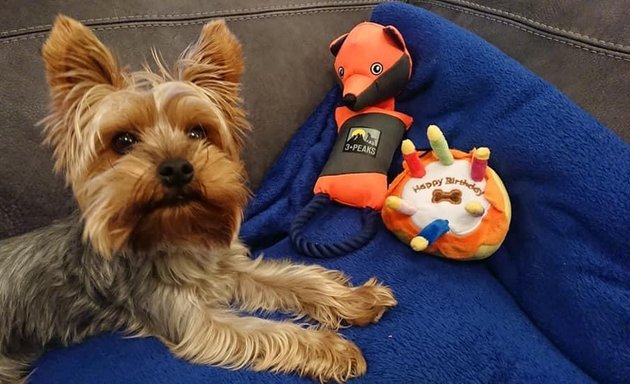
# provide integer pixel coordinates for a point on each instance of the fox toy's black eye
(376, 68)
(340, 71)
(123, 142)
(197, 132)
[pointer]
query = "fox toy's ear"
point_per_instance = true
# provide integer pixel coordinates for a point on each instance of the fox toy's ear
(395, 36)
(335, 46)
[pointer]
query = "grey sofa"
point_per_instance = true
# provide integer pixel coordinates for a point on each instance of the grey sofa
(581, 46)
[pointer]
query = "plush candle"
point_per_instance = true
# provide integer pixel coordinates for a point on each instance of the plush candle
(398, 204)
(479, 163)
(439, 145)
(411, 158)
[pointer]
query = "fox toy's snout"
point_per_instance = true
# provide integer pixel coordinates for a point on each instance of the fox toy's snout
(353, 88)
(372, 64)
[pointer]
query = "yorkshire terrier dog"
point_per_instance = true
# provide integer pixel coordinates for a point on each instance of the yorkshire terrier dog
(153, 159)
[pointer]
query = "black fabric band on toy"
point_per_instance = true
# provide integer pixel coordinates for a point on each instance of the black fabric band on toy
(385, 86)
(366, 144)
(370, 220)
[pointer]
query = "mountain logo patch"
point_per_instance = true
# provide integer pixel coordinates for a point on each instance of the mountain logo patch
(362, 140)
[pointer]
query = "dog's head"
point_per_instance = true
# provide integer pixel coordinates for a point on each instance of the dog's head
(153, 158)
(372, 64)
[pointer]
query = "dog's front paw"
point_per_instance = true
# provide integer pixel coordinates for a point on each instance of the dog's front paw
(368, 302)
(350, 305)
(335, 360)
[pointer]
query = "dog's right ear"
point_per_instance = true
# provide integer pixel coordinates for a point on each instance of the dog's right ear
(76, 61)
(335, 46)
(80, 72)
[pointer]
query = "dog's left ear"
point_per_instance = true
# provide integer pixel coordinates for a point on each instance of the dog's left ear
(217, 55)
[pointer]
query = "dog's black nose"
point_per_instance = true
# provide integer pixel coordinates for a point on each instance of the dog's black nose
(349, 100)
(175, 173)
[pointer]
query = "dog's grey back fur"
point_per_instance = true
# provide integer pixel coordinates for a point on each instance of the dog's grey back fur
(54, 289)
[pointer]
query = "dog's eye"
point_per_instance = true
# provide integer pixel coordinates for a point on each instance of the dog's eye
(197, 132)
(376, 68)
(340, 71)
(123, 142)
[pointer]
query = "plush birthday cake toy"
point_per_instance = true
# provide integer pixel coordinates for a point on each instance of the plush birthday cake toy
(447, 202)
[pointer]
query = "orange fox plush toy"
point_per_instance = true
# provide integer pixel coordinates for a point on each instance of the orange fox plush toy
(372, 66)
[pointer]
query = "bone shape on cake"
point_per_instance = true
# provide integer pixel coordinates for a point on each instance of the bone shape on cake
(454, 196)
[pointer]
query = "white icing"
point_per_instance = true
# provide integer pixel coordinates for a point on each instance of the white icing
(419, 193)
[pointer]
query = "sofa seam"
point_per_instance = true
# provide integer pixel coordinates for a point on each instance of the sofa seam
(538, 23)
(139, 25)
(215, 13)
(524, 29)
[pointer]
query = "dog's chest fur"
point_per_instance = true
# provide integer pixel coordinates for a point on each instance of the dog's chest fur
(55, 289)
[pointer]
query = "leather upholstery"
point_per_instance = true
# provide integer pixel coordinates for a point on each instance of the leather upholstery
(581, 46)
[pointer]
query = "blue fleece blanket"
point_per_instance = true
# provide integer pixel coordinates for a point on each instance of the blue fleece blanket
(552, 305)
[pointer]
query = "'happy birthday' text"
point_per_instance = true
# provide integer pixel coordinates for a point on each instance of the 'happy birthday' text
(448, 180)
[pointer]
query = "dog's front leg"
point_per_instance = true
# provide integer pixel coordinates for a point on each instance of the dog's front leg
(220, 337)
(13, 369)
(319, 293)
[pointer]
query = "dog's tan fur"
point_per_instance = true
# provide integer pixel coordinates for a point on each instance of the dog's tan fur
(187, 251)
